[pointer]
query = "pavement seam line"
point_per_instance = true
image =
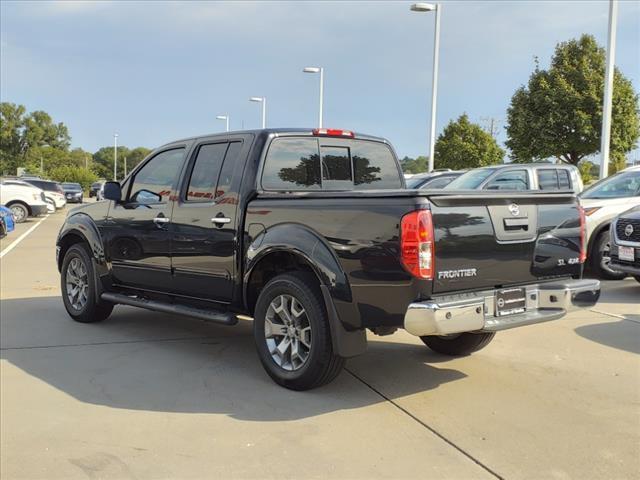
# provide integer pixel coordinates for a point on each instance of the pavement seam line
(425, 425)
(22, 237)
(117, 342)
(614, 315)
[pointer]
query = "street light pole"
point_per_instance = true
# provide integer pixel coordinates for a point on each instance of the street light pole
(319, 70)
(115, 157)
(428, 7)
(608, 90)
(225, 118)
(262, 100)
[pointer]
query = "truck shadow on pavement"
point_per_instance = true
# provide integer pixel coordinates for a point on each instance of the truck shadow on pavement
(623, 335)
(143, 360)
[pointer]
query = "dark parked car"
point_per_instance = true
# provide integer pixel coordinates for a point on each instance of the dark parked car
(625, 247)
(434, 179)
(314, 235)
(72, 192)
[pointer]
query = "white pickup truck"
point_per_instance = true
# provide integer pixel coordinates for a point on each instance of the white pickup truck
(23, 200)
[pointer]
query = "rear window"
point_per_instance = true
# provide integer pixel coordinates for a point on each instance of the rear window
(295, 164)
(470, 180)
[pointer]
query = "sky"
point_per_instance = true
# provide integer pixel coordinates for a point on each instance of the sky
(158, 71)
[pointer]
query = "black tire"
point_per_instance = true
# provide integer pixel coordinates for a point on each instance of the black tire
(321, 365)
(458, 345)
(20, 212)
(91, 311)
(600, 258)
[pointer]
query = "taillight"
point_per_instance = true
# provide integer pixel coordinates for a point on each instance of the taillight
(583, 234)
(332, 132)
(417, 243)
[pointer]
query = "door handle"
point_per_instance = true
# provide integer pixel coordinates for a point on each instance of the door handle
(221, 220)
(160, 221)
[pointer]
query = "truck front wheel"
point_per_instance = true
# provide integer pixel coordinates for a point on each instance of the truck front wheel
(292, 333)
(460, 344)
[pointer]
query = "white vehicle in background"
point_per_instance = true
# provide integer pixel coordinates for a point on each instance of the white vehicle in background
(602, 202)
(23, 200)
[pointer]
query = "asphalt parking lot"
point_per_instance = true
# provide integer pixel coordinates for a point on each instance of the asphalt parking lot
(148, 395)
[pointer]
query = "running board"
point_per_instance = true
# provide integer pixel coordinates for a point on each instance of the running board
(215, 316)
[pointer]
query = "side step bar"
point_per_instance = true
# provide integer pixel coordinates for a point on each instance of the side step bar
(215, 316)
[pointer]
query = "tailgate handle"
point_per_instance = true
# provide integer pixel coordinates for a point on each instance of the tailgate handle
(516, 223)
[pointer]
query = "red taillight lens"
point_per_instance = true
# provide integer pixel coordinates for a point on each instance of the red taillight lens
(332, 132)
(583, 234)
(417, 243)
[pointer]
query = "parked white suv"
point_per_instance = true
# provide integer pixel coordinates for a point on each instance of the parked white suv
(22, 199)
(602, 202)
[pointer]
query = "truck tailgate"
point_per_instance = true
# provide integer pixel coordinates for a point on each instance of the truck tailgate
(493, 240)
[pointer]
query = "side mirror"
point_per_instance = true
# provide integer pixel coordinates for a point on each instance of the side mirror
(112, 191)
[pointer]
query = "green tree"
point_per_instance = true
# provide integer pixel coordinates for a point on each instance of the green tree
(20, 132)
(464, 144)
(103, 162)
(559, 113)
(135, 156)
(586, 168)
(67, 173)
(414, 165)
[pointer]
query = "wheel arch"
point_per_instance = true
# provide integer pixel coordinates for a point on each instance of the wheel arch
(80, 228)
(21, 202)
(295, 247)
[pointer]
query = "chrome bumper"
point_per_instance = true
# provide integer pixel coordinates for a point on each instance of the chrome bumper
(475, 312)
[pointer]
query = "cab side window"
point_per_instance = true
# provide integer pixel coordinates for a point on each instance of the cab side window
(206, 169)
(511, 180)
(155, 180)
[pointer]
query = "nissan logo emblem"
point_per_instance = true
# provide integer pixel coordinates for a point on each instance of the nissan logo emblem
(628, 230)
(514, 209)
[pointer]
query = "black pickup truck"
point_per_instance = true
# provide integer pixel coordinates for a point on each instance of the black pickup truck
(313, 234)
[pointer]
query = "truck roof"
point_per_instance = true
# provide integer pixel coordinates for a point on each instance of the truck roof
(274, 131)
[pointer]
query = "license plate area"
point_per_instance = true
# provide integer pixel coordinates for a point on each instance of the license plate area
(509, 301)
(626, 254)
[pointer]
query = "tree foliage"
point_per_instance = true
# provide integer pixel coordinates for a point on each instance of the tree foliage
(559, 112)
(464, 144)
(414, 165)
(21, 132)
(67, 173)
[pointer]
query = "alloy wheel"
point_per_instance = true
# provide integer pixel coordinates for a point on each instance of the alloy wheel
(77, 282)
(287, 332)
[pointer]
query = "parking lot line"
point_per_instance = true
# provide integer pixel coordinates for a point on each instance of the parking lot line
(22, 237)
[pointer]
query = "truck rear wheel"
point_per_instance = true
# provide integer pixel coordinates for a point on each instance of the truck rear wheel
(292, 333)
(78, 287)
(460, 344)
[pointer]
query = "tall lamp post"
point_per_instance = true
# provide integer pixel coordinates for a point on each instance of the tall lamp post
(225, 118)
(608, 90)
(115, 157)
(430, 7)
(319, 70)
(262, 100)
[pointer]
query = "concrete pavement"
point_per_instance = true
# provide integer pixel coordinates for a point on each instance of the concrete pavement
(147, 395)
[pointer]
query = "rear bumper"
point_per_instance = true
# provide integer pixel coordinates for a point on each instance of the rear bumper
(37, 210)
(475, 312)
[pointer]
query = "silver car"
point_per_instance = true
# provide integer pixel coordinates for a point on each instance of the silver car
(520, 176)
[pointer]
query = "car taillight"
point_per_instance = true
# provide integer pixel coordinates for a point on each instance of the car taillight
(417, 243)
(583, 234)
(332, 132)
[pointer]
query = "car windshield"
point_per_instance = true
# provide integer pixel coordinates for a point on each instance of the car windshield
(72, 186)
(620, 185)
(415, 182)
(470, 180)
